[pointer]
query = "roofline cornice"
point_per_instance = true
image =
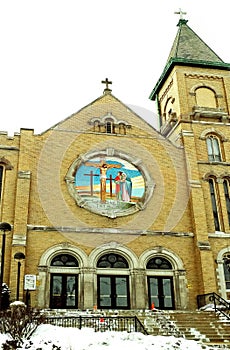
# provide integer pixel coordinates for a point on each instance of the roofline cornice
(184, 62)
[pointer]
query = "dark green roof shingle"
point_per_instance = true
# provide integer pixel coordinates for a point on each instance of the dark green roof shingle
(188, 45)
(188, 49)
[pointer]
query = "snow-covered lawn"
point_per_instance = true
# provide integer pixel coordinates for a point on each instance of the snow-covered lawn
(48, 337)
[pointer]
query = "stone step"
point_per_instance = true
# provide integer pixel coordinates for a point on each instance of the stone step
(202, 326)
(206, 327)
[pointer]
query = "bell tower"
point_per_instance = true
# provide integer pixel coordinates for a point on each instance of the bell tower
(194, 85)
(193, 98)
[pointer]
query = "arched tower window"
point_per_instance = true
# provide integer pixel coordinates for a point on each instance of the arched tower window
(215, 203)
(1, 179)
(4, 165)
(213, 147)
(169, 108)
(227, 197)
(205, 97)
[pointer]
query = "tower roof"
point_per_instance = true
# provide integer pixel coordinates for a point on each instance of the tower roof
(190, 50)
(189, 46)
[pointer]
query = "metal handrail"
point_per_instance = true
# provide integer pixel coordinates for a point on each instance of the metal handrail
(99, 323)
(220, 304)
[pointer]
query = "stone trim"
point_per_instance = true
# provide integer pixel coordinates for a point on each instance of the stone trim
(114, 247)
(212, 130)
(24, 174)
(19, 240)
(107, 230)
(204, 245)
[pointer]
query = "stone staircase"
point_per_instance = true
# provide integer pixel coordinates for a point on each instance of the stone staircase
(206, 327)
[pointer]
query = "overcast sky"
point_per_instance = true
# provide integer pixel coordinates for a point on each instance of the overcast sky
(54, 53)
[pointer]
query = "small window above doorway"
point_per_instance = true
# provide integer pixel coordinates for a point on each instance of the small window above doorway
(64, 260)
(112, 261)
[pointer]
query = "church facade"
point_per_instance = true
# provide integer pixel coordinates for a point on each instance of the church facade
(110, 213)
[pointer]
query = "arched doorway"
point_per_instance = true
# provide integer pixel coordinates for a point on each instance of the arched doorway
(223, 273)
(160, 283)
(63, 282)
(113, 282)
(226, 267)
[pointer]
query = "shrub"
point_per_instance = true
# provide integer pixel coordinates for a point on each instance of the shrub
(19, 322)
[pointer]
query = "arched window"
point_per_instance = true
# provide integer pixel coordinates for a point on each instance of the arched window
(159, 263)
(215, 203)
(122, 129)
(96, 125)
(168, 108)
(4, 165)
(1, 179)
(227, 198)
(226, 264)
(64, 260)
(112, 261)
(213, 147)
(206, 97)
(109, 126)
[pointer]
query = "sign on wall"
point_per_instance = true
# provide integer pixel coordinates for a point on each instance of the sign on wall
(30, 282)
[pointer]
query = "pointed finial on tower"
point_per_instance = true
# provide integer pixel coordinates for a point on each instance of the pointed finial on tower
(107, 82)
(181, 13)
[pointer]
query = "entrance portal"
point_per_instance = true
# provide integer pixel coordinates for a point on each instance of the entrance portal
(63, 291)
(160, 292)
(113, 292)
(160, 284)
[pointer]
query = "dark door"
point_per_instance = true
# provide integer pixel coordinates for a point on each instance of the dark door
(160, 292)
(63, 291)
(113, 292)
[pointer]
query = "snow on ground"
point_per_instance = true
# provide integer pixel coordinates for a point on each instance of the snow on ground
(48, 337)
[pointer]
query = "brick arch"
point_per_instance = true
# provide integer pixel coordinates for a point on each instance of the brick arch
(44, 268)
(177, 273)
(211, 174)
(116, 248)
(6, 163)
(209, 131)
(50, 253)
(201, 97)
(203, 85)
(173, 258)
(225, 175)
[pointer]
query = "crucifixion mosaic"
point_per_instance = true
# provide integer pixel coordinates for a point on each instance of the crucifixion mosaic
(110, 182)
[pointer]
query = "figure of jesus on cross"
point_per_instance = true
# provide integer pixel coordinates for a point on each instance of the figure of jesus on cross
(103, 166)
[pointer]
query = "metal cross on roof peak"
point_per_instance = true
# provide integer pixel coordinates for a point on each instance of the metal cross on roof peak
(107, 82)
(181, 13)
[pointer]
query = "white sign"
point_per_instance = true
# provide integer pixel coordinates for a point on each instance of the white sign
(30, 282)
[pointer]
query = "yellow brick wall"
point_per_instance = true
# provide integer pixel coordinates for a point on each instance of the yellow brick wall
(180, 203)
